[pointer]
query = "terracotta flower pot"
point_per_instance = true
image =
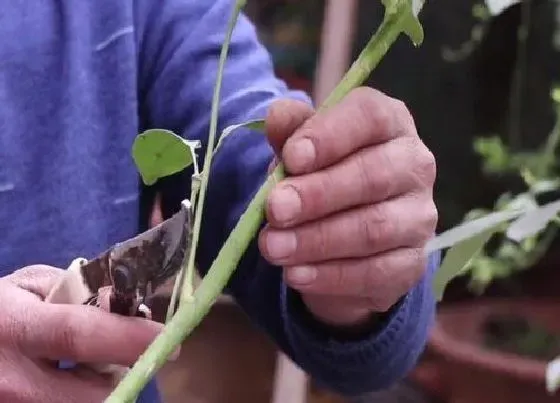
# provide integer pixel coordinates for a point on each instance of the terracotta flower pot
(468, 371)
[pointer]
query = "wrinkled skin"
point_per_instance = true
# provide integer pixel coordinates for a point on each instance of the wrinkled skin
(350, 223)
(33, 334)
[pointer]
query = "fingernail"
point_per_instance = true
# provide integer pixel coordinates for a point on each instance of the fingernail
(280, 244)
(285, 204)
(301, 275)
(302, 155)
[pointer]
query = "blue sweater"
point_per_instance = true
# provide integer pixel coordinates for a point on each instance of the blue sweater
(80, 79)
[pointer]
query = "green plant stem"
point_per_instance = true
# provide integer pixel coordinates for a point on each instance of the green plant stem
(195, 187)
(187, 294)
(189, 315)
(369, 58)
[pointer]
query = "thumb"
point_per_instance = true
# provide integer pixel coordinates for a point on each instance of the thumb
(37, 279)
(284, 117)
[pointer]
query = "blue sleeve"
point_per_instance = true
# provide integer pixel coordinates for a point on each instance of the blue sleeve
(179, 44)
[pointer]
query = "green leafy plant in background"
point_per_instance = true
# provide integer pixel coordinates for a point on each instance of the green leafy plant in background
(521, 226)
(525, 241)
(169, 153)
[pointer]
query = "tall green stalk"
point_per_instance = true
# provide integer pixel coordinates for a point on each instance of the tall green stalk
(397, 19)
(187, 294)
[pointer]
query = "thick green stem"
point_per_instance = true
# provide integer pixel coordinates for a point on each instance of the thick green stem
(369, 58)
(189, 315)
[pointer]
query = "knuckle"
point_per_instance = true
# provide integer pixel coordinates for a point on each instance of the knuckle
(377, 170)
(406, 126)
(424, 224)
(373, 108)
(339, 276)
(318, 197)
(321, 244)
(403, 112)
(383, 119)
(375, 226)
(425, 167)
(428, 164)
(367, 180)
(394, 275)
(432, 217)
(375, 293)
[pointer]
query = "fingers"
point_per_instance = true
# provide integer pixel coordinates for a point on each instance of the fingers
(364, 279)
(371, 175)
(396, 223)
(364, 117)
(284, 117)
(81, 334)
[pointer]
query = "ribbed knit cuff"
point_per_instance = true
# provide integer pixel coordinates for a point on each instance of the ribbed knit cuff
(376, 360)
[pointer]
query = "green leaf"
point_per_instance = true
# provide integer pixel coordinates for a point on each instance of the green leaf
(412, 26)
(414, 30)
(553, 376)
(158, 153)
(252, 124)
(457, 257)
(404, 13)
(533, 222)
(470, 229)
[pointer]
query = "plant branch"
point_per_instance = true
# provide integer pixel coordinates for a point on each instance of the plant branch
(187, 294)
(370, 56)
(190, 314)
(195, 187)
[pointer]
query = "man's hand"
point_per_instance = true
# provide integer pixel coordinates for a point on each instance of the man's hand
(35, 334)
(350, 222)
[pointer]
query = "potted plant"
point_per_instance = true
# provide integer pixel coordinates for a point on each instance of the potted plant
(499, 349)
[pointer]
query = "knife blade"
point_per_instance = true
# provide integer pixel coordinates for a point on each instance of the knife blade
(133, 269)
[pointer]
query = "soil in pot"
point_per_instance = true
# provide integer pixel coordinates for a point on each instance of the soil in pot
(516, 334)
(495, 351)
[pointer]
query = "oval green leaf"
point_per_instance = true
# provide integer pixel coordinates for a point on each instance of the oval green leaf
(158, 153)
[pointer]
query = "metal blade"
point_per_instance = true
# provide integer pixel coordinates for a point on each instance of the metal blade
(147, 260)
